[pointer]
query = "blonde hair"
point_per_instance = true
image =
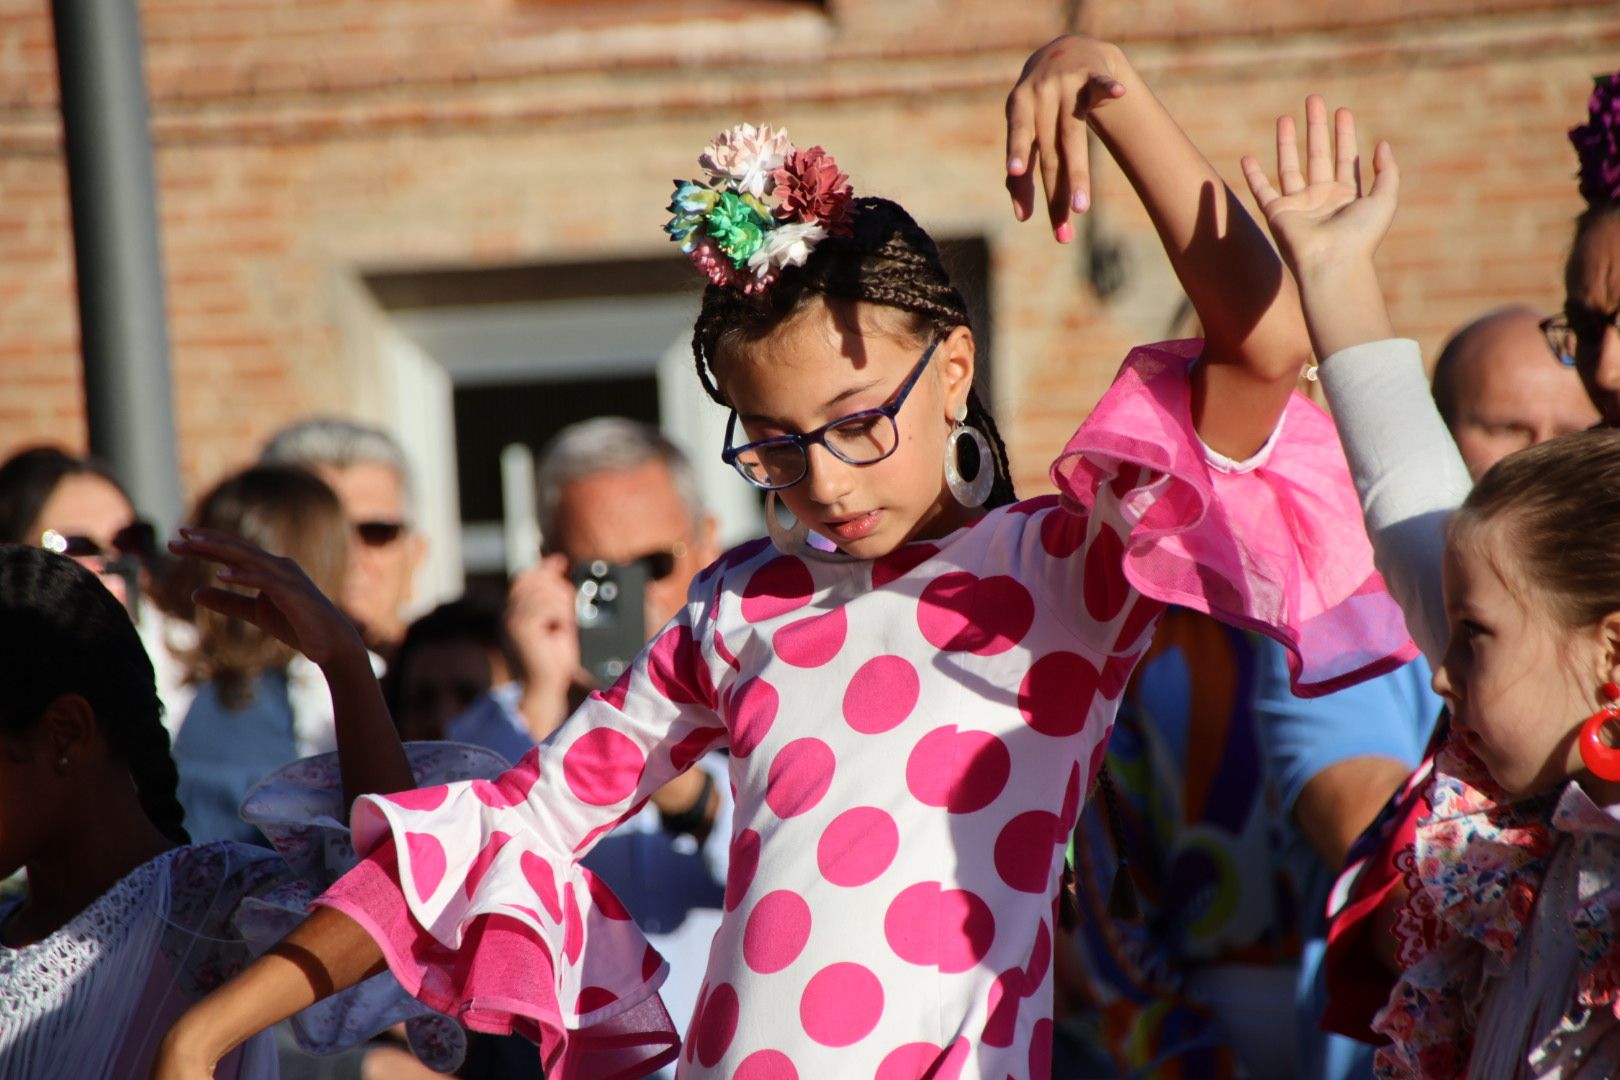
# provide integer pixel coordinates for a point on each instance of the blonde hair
(287, 511)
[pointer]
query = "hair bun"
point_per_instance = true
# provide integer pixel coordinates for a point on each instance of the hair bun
(1597, 142)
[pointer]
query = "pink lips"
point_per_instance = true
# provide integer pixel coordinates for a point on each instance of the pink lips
(856, 527)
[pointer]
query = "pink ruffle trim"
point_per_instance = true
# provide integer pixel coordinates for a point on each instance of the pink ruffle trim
(1278, 548)
(501, 980)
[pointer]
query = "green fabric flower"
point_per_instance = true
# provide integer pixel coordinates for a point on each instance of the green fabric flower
(738, 225)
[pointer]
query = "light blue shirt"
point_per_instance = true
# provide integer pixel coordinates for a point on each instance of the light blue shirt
(1391, 716)
(673, 886)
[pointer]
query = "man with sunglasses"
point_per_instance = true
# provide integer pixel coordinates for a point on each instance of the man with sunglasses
(616, 492)
(366, 467)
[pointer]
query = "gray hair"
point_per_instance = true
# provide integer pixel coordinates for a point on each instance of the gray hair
(608, 444)
(337, 444)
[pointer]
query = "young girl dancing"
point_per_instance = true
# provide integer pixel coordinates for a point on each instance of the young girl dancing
(1507, 936)
(124, 924)
(915, 701)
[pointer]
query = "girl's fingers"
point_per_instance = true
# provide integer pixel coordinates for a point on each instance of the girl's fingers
(1046, 146)
(1259, 186)
(233, 604)
(1346, 157)
(1076, 186)
(1020, 145)
(1386, 183)
(1318, 151)
(1288, 176)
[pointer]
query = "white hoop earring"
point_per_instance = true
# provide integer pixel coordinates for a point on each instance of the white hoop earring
(974, 492)
(787, 541)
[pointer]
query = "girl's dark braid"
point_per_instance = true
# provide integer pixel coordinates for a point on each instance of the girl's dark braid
(62, 632)
(889, 260)
(144, 747)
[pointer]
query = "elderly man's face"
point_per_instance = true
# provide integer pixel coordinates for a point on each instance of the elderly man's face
(625, 514)
(385, 550)
(1511, 393)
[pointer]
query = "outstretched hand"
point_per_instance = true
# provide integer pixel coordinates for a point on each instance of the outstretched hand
(1061, 85)
(286, 604)
(1323, 216)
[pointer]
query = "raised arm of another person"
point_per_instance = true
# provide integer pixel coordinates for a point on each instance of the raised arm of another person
(1405, 465)
(1255, 339)
(287, 605)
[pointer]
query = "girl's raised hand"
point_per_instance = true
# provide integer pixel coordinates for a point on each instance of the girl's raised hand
(287, 605)
(1062, 83)
(1323, 217)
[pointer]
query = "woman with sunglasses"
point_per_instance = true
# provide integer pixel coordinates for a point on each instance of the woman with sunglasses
(76, 507)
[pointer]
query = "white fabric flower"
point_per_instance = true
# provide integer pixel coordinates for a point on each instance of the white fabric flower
(786, 245)
(747, 156)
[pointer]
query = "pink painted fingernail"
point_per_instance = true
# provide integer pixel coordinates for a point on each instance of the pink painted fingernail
(1065, 233)
(1081, 201)
(1015, 166)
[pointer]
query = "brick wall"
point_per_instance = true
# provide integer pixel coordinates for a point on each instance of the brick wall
(303, 144)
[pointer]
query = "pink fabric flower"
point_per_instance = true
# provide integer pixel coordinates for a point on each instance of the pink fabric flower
(809, 187)
(747, 156)
(717, 265)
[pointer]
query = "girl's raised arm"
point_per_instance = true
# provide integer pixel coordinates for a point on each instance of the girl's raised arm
(1255, 339)
(1405, 465)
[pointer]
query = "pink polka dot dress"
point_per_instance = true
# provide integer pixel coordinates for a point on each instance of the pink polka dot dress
(911, 739)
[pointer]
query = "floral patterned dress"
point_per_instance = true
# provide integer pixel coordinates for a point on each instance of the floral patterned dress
(911, 740)
(1508, 937)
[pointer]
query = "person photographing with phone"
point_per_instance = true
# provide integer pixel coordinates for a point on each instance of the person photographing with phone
(624, 532)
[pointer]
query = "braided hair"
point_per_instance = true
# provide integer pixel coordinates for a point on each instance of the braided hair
(62, 632)
(888, 260)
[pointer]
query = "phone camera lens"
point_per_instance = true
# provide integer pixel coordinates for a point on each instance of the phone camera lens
(614, 668)
(609, 592)
(599, 568)
(588, 590)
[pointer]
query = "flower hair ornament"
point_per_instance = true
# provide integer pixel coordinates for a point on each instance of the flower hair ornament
(763, 205)
(1597, 142)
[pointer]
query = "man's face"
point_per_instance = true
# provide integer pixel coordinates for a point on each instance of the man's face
(626, 514)
(385, 552)
(1512, 394)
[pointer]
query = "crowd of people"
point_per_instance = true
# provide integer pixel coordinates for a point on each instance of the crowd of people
(1176, 772)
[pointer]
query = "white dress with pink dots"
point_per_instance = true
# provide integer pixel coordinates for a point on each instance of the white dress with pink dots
(911, 739)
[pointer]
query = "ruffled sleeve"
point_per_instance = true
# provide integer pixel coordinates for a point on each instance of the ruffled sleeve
(1273, 544)
(300, 809)
(475, 893)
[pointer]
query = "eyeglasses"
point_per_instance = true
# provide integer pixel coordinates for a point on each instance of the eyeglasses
(862, 438)
(137, 540)
(378, 533)
(1572, 330)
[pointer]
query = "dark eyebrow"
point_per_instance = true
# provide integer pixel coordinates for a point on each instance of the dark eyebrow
(836, 399)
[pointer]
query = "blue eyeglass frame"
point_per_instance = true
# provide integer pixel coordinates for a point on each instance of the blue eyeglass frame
(1606, 319)
(804, 442)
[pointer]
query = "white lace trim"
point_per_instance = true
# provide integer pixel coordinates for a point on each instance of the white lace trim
(33, 976)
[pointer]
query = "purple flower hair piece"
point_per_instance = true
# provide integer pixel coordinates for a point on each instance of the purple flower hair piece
(1597, 142)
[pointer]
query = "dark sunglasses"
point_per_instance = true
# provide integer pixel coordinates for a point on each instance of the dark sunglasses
(137, 540)
(378, 533)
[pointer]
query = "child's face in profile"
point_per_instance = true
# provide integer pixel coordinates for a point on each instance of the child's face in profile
(835, 360)
(1518, 681)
